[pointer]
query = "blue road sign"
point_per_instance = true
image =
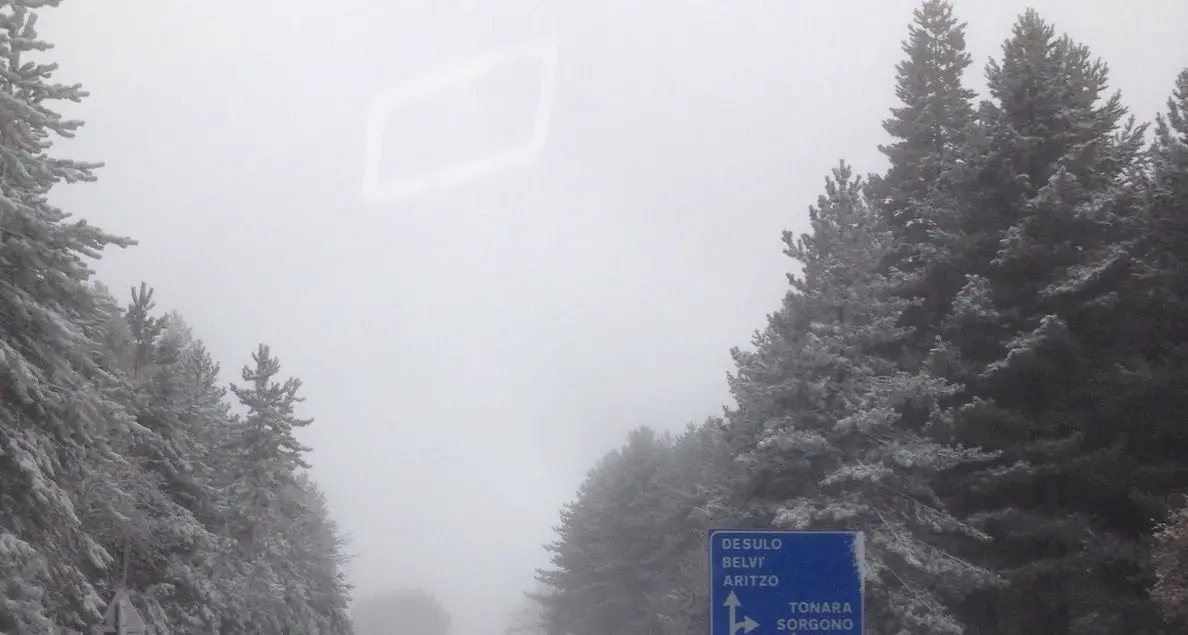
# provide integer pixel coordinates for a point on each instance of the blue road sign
(785, 583)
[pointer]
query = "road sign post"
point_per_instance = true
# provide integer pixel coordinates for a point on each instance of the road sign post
(785, 583)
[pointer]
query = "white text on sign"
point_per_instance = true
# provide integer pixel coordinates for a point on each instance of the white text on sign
(740, 562)
(751, 580)
(752, 544)
(749, 562)
(825, 617)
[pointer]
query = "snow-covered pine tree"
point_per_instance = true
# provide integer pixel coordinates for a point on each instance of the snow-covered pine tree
(56, 406)
(170, 551)
(914, 196)
(1162, 252)
(1047, 192)
(1158, 378)
(215, 465)
(631, 553)
(695, 492)
(929, 124)
(316, 590)
(1169, 195)
(841, 436)
(264, 457)
(601, 579)
(269, 453)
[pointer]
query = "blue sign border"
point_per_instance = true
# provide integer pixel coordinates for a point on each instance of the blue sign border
(856, 538)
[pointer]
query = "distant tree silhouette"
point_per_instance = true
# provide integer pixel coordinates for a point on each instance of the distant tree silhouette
(528, 616)
(407, 612)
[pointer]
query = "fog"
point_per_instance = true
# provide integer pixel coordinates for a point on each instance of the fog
(470, 348)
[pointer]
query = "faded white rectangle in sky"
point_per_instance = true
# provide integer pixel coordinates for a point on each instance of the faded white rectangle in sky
(472, 120)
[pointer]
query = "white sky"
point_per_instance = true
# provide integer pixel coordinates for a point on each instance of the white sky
(469, 353)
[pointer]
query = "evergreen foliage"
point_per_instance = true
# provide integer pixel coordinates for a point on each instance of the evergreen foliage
(980, 364)
(121, 465)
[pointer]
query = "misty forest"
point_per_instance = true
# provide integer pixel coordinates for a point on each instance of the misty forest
(978, 363)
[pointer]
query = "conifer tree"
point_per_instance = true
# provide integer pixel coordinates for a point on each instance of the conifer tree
(263, 458)
(269, 451)
(120, 464)
(316, 588)
(915, 196)
(694, 499)
(166, 550)
(843, 438)
(603, 577)
(1047, 195)
(631, 550)
(1159, 398)
(933, 116)
(56, 401)
(1163, 247)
